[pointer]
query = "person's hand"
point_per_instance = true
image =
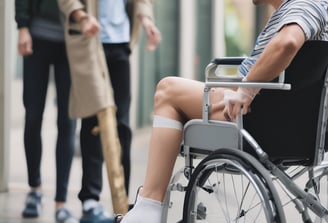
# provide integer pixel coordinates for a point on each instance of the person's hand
(237, 101)
(89, 26)
(24, 42)
(152, 32)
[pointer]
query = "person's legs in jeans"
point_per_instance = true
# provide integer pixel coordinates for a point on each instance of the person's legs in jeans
(35, 84)
(36, 77)
(92, 163)
(92, 160)
(65, 125)
(117, 58)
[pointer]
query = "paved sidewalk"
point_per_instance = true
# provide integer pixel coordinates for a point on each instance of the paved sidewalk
(12, 203)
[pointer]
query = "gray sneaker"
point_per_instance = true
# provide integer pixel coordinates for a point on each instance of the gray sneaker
(63, 215)
(32, 205)
(97, 214)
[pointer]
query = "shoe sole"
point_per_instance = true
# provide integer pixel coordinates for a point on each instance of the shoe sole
(29, 216)
(98, 221)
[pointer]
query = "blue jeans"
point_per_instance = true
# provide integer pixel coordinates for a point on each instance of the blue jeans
(35, 84)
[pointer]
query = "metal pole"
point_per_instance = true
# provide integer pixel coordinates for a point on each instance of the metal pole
(5, 71)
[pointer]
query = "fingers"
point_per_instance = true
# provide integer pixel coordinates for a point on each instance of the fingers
(234, 108)
(90, 26)
(25, 48)
(236, 102)
(24, 42)
(152, 42)
(153, 38)
(227, 116)
(152, 32)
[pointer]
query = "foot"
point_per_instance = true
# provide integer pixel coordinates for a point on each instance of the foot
(96, 214)
(63, 215)
(32, 205)
(144, 207)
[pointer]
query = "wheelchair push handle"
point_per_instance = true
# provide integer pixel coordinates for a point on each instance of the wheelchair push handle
(222, 72)
(228, 60)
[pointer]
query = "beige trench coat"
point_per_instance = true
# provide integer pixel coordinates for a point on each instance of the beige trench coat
(91, 90)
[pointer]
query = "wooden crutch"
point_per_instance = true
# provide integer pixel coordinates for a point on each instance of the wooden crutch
(112, 156)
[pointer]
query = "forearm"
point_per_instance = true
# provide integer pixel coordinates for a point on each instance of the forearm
(278, 54)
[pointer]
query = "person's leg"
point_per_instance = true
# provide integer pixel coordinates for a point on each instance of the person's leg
(92, 160)
(180, 100)
(117, 58)
(176, 101)
(35, 84)
(65, 125)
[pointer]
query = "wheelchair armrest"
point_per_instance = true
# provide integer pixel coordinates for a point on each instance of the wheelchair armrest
(228, 60)
(213, 77)
(263, 85)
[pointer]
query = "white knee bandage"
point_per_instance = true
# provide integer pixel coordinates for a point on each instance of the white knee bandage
(163, 122)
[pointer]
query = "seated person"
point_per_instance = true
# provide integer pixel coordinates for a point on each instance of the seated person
(178, 100)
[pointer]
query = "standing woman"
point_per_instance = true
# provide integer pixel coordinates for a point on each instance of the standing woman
(41, 43)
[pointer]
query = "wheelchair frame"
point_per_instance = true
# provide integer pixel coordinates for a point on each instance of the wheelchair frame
(201, 137)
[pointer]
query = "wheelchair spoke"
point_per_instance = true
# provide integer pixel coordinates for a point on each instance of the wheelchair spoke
(223, 190)
(222, 186)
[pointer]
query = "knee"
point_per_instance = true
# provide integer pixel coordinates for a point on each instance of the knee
(164, 91)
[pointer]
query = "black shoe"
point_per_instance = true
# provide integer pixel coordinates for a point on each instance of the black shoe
(118, 218)
(32, 205)
(96, 215)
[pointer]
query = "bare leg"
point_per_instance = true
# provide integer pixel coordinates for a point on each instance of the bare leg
(179, 100)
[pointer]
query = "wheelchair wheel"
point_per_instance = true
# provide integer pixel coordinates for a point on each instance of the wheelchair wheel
(231, 186)
(318, 186)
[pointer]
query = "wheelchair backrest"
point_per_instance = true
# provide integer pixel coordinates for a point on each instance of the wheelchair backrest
(290, 125)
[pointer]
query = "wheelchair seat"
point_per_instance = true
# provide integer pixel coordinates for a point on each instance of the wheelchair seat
(290, 125)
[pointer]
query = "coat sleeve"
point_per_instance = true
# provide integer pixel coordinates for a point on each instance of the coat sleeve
(144, 8)
(69, 6)
(22, 13)
(139, 8)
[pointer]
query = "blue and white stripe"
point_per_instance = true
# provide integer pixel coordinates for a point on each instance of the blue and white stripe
(310, 15)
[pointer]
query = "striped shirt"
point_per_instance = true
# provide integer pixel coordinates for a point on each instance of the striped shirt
(310, 15)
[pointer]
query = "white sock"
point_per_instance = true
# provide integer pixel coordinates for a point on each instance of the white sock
(145, 210)
(90, 203)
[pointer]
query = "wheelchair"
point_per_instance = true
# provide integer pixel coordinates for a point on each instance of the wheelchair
(248, 170)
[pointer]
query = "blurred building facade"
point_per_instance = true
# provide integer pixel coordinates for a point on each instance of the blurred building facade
(193, 32)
